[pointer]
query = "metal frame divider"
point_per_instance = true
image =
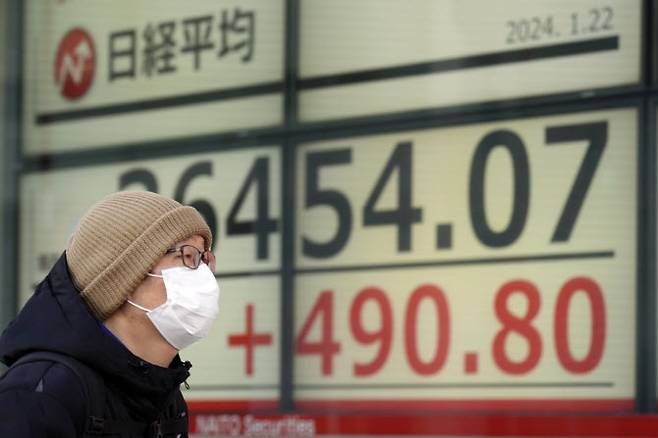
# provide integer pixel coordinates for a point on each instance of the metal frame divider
(286, 401)
(645, 357)
(646, 262)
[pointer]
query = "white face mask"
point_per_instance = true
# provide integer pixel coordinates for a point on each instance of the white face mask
(191, 307)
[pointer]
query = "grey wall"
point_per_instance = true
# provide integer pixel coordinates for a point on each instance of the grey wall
(4, 11)
(9, 137)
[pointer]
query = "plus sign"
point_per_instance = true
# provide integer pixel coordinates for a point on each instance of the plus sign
(249, 339)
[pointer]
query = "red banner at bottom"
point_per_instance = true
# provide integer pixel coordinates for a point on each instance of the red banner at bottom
(230, 418)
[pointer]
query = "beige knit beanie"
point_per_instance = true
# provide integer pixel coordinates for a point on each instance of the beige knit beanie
(120, 239)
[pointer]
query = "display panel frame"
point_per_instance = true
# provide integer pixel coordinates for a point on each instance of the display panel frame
(294, 133)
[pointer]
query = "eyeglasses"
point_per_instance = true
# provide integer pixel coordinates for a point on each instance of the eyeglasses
(192, 257)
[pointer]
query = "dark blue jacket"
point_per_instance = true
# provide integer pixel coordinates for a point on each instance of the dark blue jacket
(44, 399)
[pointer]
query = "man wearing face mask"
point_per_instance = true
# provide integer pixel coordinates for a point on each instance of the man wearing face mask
(94, 352)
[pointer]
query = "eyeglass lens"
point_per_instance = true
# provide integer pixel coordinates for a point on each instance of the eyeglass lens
(192, 257)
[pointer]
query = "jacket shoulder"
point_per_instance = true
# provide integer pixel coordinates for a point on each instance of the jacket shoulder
(27, 414)
(46, 380)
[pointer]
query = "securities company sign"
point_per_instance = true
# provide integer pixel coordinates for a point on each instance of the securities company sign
(75, 64)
